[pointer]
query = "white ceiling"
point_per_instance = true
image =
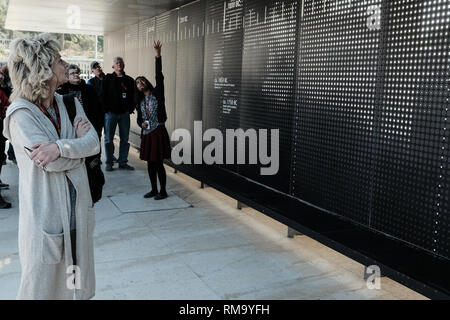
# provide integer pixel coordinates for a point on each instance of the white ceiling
(82, 16)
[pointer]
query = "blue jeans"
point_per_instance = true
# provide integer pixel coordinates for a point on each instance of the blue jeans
(111, 121)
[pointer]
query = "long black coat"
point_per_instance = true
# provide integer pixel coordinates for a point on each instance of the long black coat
(91, 105)
(158, 92)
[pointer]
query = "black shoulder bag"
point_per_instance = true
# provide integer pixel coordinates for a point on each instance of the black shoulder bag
(93, 163)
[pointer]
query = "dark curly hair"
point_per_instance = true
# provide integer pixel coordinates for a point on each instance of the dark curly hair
(138, 95)
(4, 70)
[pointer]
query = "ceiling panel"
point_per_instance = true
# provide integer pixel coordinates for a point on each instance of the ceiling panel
(83, 16)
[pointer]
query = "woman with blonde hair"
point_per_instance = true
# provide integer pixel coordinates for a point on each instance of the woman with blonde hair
(56, 219)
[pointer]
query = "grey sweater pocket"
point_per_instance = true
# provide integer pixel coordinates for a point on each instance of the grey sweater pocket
(52, 248)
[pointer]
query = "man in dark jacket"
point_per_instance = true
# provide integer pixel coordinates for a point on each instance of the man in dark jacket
(97, 81)
(118, 99)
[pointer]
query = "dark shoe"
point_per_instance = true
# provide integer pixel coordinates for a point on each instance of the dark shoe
(109, 167)
(151, 194)
(161, 196)
(4, 204)
(115, 160)
(126, 167)
(3, 186)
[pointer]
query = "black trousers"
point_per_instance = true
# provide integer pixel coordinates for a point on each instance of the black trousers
(2, 146)
(73, 240)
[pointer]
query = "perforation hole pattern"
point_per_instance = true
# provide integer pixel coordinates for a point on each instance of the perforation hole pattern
(359, 90)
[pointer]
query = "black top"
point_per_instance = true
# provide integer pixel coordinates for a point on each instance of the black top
(118, 93)
(6, 90)
(158, 92)
(89, 100)
(97, 84)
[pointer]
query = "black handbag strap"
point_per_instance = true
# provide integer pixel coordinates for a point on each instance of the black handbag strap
(69, 101)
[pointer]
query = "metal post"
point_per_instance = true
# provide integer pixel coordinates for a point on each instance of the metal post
(292, 233)
(96, 47)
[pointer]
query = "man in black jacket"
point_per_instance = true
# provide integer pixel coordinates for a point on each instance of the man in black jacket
(118, 99)
(97, 81)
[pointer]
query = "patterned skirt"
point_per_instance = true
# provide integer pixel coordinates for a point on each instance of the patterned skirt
(155, 146)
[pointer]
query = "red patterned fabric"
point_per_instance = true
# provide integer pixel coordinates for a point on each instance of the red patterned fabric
(4, 103)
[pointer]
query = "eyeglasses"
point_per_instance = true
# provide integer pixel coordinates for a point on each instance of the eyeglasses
(74, 73)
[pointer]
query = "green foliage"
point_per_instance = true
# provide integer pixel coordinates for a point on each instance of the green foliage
(3, 9)
(80, 45)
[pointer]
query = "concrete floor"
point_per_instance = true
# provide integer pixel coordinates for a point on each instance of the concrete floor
(210, 250)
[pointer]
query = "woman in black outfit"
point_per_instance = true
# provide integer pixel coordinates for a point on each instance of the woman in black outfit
(155, 141)
(6, 87)
(5, 92)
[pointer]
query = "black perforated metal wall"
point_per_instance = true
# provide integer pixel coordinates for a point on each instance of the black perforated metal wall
(166, 32)
(370, 140)
(189, 92)
(268, 77)
(411, 180)
(223, 67)
(358, 89)
(334, 114)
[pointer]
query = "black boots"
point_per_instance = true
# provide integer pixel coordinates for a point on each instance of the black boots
(151, 194)
(161, 195)
(158, 196)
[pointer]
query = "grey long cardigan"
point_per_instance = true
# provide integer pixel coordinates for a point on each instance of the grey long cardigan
(44, 204)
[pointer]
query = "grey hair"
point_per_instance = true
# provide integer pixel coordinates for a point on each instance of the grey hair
(71, 67)
(117, 59)
(30, 65)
